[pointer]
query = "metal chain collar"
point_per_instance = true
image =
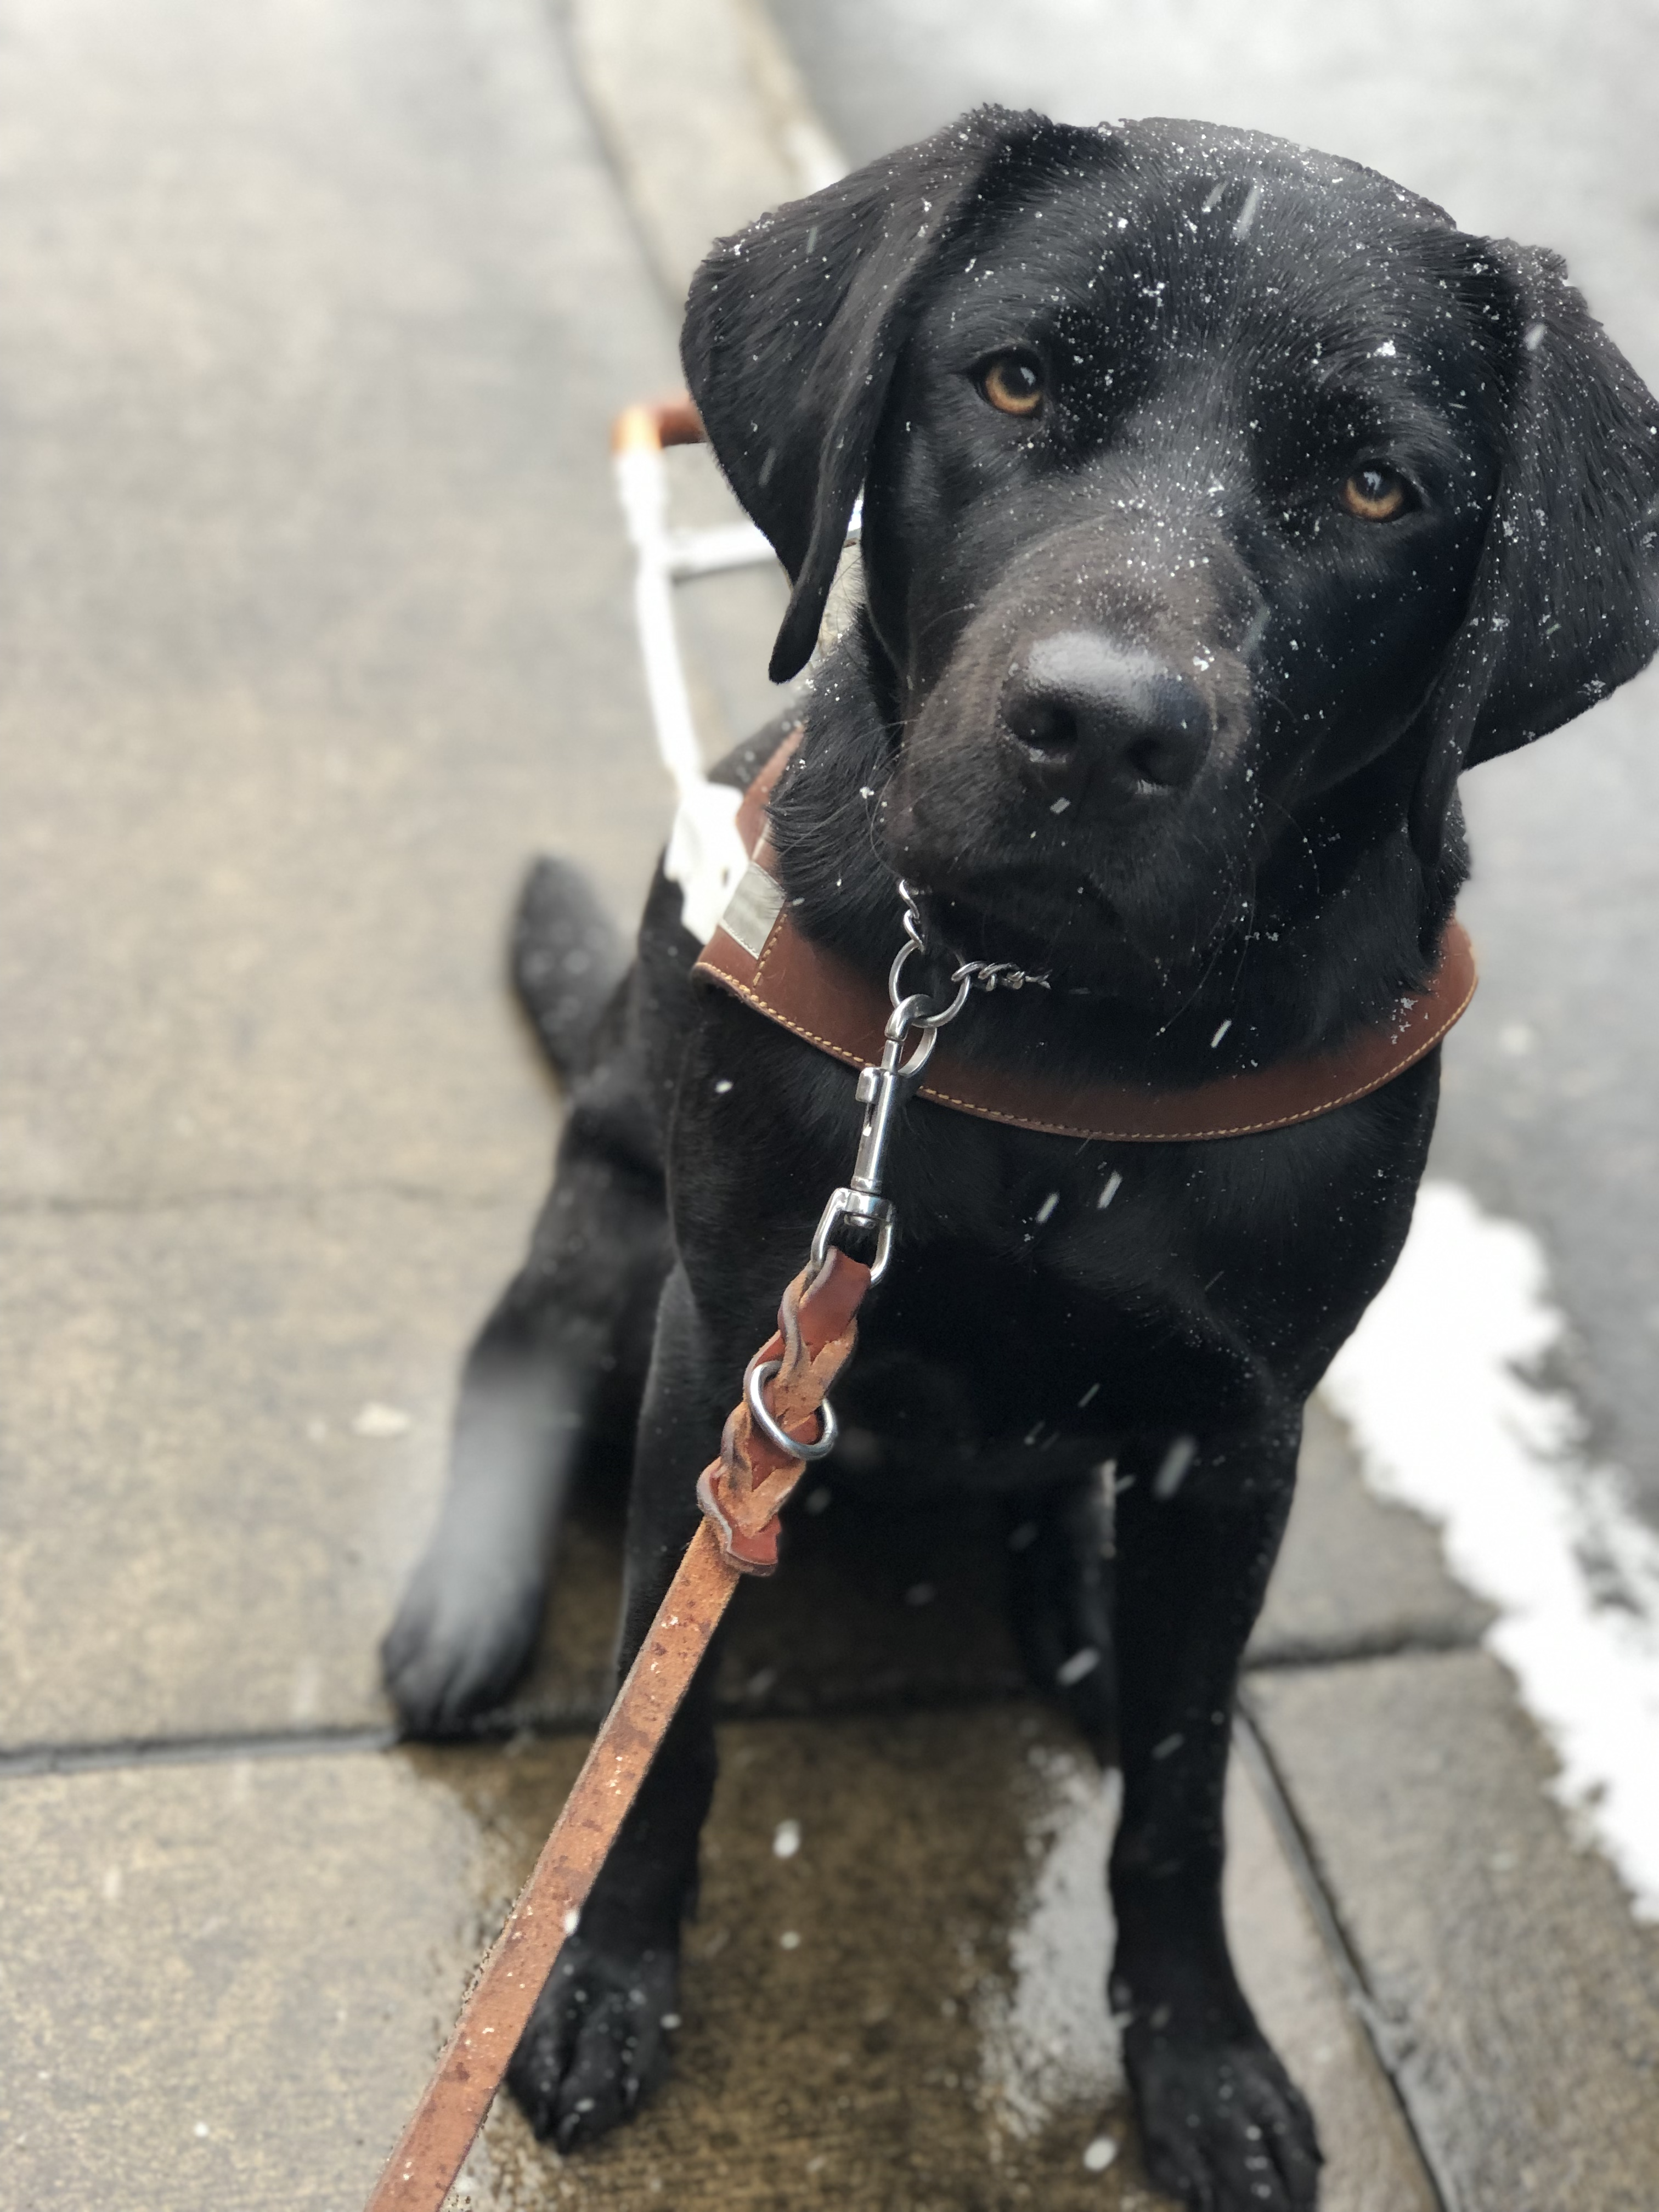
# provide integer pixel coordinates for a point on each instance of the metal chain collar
(882, 1089)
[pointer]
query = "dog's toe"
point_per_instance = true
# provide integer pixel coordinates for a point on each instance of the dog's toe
(460, 1641)
(1224, 2128)
(597, 2043)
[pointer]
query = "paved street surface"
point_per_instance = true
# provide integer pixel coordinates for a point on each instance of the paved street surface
(314, 606)
(1535, 121)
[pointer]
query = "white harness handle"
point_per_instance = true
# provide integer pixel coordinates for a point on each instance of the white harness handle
(705, 856)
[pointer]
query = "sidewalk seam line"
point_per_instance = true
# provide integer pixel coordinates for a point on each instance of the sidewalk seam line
(1426, 1642)
(1251, 1740)
(250, 1195)
(31, 1760)
(22, 1761)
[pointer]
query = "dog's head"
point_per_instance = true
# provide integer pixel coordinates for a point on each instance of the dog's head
(1216, 493)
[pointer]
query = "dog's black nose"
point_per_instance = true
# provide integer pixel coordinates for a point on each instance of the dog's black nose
(1086, 713)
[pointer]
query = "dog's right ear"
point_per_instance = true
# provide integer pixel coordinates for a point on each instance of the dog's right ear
(794, 325)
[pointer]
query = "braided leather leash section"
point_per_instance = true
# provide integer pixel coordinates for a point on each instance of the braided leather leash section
(741, 1492)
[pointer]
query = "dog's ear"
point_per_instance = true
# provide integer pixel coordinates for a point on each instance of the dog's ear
(794, 325)
(1565, 602)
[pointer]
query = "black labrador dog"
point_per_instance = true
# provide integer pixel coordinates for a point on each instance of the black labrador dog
(1222, 503)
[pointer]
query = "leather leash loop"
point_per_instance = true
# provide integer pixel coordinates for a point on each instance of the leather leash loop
(745, 1488)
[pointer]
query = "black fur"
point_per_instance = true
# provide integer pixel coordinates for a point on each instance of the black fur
(1137, 697)
(567, 959)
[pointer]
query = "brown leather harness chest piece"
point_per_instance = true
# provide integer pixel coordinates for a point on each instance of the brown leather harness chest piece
(760, 957)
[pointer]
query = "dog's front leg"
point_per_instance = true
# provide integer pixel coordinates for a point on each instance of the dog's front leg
(571, 1328)
(1197, 1530)
(597, 2040)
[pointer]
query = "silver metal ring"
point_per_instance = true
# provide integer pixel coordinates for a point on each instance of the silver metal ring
(896, 997)
(900, 1022)
(937, 1020)
(769, 1428)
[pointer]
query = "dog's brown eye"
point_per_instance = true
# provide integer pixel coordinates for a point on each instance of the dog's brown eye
(1375, 495)
(1013, 383)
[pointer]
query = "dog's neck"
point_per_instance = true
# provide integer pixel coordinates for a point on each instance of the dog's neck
(1316, 964)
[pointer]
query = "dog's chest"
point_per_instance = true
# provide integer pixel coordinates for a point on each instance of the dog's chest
(1046, 1294)
(995, 1370)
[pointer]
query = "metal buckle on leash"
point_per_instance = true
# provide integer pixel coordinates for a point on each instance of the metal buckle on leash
(882, 1089)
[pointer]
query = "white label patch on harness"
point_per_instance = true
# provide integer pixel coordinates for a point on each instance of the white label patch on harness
(754, 906)
(705, 855)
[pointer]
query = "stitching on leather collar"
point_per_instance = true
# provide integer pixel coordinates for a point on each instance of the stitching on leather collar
(751, 999)
(751, 994)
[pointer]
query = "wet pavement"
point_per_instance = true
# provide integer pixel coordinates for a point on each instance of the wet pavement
(316, 604)
(905, 2011)
(1516, 2001)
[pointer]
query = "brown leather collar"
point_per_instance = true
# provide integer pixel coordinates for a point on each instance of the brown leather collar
(760, 957)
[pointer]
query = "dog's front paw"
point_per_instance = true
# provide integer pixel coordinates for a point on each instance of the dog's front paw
(1223, 2126)
(464, 1634)
(596, 2042)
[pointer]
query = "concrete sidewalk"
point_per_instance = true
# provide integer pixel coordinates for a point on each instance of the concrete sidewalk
(316, 606)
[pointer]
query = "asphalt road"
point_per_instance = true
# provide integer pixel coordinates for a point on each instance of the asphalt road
(1537, 121)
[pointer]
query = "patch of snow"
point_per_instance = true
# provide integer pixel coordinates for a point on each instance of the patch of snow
(1172, 1468)
(1438, 1386)
(376, 1420)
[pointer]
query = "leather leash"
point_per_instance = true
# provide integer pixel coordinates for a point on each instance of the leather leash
(782, 1421)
